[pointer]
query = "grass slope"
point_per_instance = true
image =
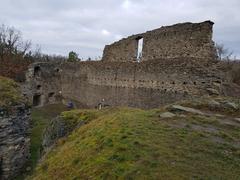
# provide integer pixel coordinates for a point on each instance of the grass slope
(9, 92)
(40, 119)
(124, 143)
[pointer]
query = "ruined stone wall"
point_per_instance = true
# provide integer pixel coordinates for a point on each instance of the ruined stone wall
(178, 63)
(148, 84)
(145, 85)
(14, 140)
(180, 40)
(124, 50)
(42, 84)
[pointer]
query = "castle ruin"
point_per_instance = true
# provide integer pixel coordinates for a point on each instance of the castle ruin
(144, 70)
(178, 41)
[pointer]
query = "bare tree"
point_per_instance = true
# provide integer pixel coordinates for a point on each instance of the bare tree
(11, 42)
(25, 47)
(223, 53)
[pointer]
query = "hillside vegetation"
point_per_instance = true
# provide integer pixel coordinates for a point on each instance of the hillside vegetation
(40, 118)
(9, 92)
(126, 143)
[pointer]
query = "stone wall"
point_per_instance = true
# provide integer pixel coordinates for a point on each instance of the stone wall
(43, 84)
(180, 40)
(14, 140)
(148, 84)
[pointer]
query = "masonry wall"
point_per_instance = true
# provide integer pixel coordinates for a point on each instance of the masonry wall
(148, 84)
(181, 40)
(43, 84)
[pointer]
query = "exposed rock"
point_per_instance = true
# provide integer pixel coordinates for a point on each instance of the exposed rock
(178, 108)
(54, 131)
(237, 119)
(212, 91)
(14, 140)
(214, 105)
(182, 115)
(57, 128)
(167, 115)
(219, 115)
(230, 105)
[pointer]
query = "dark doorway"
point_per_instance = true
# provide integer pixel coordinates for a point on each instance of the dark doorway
(39, 87)
(139, 48)
(37, 71)
(51, 94)
(36, 100)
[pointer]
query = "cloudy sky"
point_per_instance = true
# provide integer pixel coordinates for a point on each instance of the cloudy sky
(85, 26)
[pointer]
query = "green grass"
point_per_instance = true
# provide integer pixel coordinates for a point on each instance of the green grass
(74, 117)
(125, 143)
(9, 92)
(40, 119)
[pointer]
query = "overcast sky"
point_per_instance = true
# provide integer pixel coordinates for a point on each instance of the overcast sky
(86, 26)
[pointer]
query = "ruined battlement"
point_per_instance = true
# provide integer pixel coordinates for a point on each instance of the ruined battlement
(180, 40)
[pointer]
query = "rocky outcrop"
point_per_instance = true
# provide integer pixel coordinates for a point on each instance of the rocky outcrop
(62, 126)
(14, 140)
(57, 129)
(54, 131)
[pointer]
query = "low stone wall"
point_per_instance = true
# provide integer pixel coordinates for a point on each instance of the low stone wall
(14, 140)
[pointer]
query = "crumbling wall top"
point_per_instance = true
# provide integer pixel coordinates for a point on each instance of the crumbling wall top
(180, 40)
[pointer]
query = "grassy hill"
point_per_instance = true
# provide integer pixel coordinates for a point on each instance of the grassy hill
(40, 118)
(126, 143)
(9, 92)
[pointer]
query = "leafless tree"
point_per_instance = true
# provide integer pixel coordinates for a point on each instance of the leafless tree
(11, 42)
(223, 53)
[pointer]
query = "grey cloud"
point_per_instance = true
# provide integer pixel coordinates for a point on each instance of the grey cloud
(86, 26)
